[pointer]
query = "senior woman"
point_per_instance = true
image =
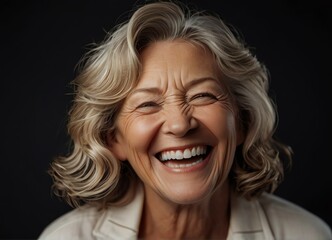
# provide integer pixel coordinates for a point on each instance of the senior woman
(172, 131)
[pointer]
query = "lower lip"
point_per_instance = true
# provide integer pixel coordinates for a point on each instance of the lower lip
(196, 167)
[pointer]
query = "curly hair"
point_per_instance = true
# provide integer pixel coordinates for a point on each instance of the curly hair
(91, 174)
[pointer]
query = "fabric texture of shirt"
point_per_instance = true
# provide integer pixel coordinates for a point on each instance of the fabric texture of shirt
(267, 217)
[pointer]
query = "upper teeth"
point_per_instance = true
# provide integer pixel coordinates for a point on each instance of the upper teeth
(183, 154)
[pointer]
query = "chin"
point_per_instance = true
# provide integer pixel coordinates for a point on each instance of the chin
(188, 195)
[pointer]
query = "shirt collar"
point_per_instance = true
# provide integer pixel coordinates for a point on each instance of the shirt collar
(247, 221)
(119, 223)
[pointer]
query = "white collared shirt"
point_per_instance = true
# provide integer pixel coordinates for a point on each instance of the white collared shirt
(265, 218)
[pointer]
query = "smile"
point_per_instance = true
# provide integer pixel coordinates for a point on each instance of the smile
(184, 158)
(183, 154)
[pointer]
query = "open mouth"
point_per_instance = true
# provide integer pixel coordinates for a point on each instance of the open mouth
(184, 158)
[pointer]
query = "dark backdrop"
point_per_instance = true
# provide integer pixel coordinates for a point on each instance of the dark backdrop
(41, 42)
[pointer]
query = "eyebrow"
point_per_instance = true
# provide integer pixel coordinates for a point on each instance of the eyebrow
(188, 85)
(199, 81)
(149, 90)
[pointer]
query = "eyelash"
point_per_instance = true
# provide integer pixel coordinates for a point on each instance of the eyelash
(147, 104)
(204, 94)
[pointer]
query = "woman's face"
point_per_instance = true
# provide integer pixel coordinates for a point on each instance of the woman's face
(177, 126)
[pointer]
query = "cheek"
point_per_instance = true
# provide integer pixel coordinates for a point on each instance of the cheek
(221, 124)
(138, 131)
(219, 121)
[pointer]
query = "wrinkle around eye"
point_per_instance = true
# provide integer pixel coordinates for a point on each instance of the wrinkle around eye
(148, 107)
(147, 104)
(203, 98)
(143, 102)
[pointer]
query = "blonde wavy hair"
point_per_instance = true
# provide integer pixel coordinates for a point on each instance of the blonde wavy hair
(91, 174)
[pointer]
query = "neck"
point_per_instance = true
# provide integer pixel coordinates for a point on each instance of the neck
(208, 219)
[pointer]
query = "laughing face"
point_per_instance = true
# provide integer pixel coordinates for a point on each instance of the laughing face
(177, 127)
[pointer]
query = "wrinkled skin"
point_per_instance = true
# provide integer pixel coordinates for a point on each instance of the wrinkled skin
(179, 105)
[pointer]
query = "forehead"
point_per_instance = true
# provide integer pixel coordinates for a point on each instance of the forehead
(176, 60)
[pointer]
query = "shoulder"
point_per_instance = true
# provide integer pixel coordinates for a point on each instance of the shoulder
(88, 222)
(291, 220)
(75, 224)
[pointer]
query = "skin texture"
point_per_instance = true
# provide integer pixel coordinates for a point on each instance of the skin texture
(179, 103)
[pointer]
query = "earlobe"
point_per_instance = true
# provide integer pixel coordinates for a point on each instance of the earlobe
(115, 145)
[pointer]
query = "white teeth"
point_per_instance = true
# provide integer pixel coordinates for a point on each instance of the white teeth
(178, 155)
(187, 153)
(183, 154)
(193, 152)
(179, 165)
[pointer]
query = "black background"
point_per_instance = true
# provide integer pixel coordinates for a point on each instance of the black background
(42, 41)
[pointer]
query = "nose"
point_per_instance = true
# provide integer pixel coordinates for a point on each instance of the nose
(179, 121)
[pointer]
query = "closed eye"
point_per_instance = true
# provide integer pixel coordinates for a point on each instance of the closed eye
(203, 98)
(203, 95)
(148, 107)
(148, 104)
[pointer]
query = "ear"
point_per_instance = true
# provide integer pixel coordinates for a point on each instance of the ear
(116, 145)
